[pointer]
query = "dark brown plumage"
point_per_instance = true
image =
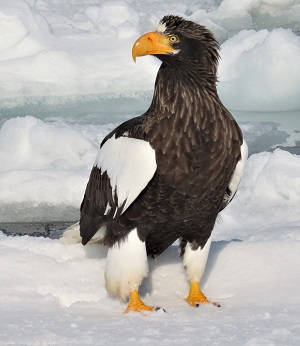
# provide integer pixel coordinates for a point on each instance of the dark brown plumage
(197, 146)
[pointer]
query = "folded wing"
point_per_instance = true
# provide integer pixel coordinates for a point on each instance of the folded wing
(123, 168)
(236, 176)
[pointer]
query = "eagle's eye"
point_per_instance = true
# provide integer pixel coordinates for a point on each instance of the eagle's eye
(173, 38)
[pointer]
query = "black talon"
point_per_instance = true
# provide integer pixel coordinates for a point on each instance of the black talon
(197, 305)
(158, 308)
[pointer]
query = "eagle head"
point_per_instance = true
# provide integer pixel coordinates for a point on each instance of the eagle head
(177, 39)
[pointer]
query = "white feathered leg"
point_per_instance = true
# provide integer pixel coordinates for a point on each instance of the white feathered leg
(126, 266)
(194, 262)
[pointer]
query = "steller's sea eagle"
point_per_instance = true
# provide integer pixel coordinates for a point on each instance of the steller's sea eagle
(165, 175)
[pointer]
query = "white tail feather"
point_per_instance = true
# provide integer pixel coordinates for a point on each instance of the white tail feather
(72, 235)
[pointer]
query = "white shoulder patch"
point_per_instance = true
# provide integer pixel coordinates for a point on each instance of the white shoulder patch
(130, 164)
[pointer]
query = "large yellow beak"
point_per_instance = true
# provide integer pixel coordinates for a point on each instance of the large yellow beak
(151, 43)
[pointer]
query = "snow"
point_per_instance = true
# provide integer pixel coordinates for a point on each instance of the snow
(266, 66)
(43, 163)
(67, 79)
(267, 202)
(54, 295)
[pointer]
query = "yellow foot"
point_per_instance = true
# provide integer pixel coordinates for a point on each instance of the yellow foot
(196, 297)
(135, 303)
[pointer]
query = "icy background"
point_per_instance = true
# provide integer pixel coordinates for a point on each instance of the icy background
(54, 48)
(67, 78)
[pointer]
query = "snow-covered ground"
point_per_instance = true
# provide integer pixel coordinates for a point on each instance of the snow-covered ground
(52, 294)
(67, 78)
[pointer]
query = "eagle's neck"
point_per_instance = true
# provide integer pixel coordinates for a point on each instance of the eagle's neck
(184, 88)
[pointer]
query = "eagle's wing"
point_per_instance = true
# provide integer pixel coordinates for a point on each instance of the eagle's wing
(236, 177)
(123, 168)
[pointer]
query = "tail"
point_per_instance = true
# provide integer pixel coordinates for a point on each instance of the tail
(72, 235)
